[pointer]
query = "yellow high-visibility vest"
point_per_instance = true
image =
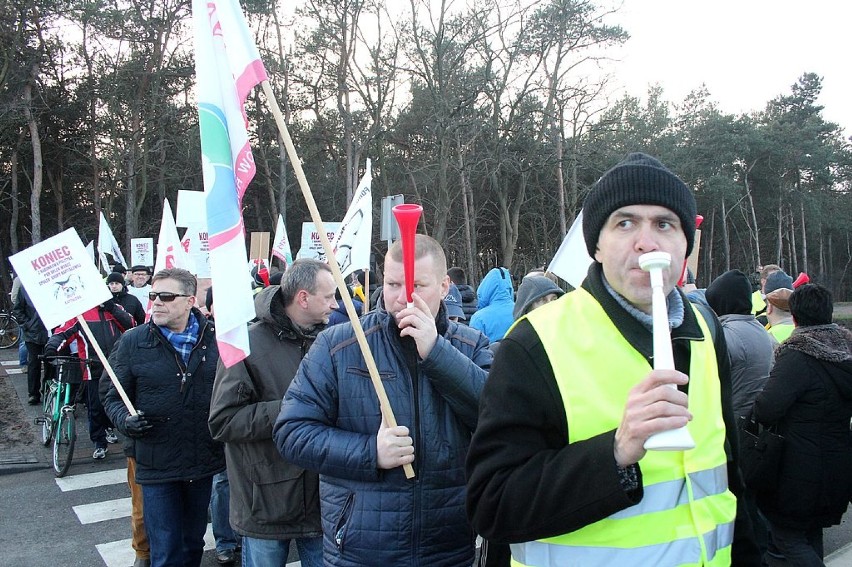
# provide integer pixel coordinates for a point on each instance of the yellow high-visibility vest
(782, 331)
(686, 516)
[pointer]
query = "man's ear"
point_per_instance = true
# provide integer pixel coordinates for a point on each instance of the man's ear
(301, 298)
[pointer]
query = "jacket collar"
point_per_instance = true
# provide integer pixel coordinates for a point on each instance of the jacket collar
(630, 328)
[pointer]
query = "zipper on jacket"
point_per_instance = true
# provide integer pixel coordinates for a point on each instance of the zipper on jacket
(343, 521)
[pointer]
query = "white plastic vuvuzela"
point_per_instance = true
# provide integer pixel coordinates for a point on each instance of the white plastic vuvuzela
(654, 263)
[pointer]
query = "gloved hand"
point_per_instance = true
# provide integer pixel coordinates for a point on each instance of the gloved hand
(136, 425)
(108, 305)
(49, 351)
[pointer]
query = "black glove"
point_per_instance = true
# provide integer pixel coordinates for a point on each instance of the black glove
(136, 425)
(108, 305)
(49, 351)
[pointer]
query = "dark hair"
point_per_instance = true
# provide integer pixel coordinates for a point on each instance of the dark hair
(188, 283)
(457, 275)
(302, 274)
(811, 304)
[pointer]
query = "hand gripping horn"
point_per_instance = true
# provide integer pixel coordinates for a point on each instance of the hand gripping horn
(407, 217)
(654, 263)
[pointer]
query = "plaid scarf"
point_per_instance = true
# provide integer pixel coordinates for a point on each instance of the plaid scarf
(185, 340)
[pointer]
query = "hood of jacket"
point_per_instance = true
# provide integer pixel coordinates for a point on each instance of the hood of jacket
(730, 294)
(831, 345)
(269, 309)
(495, 287)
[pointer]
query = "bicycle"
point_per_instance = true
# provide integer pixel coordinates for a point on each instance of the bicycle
(59, 410)
(10, 330)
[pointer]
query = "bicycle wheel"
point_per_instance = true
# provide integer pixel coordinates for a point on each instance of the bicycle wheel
(48, 400)
(9, 331)
(63, 441)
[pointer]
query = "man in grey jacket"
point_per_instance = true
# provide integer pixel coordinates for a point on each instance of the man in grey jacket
(749, 345)
(272, 501)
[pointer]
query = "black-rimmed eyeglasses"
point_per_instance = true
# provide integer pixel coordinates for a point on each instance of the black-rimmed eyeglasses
(165, 296)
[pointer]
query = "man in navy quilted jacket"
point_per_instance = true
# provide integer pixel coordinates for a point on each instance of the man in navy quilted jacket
(433, 371)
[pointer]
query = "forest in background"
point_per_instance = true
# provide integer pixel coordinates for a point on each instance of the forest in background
(488, 114)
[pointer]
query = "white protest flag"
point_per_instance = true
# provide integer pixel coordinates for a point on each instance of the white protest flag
(170, 252)
(351, 244)
(59, 278)
(571, 262)
(107, 244)
(281, 245)
(90, 250)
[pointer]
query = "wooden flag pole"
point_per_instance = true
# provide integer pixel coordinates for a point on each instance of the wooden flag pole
(384, 403)
(88, 332)
(366, 307)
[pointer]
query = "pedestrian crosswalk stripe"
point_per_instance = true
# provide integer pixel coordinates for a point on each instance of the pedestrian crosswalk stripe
(9, 363)
(121, 554)
(100, 511)
(13, 371)
(92, 480)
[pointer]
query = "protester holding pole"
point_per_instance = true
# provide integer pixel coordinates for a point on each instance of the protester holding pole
(167, 367)
(331, 422)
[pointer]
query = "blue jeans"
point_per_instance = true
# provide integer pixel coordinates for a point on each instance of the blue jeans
(175, 519)
(274, 552)
(219, 509)
(22, 352)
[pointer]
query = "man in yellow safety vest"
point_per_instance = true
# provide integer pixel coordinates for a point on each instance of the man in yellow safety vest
(557, 465)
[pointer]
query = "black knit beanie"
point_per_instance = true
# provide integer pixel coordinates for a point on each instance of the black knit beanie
(638, 179)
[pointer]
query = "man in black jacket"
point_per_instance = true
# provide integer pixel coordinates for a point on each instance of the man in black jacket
(557, 466)
(272, 501)
(115, 283)
(167, 368)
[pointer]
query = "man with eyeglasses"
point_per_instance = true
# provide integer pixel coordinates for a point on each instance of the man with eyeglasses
(139, 286)
(167, 367)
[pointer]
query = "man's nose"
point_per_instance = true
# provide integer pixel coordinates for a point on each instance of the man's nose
(646, 239)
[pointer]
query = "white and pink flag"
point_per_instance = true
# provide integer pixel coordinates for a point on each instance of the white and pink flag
(227, 67)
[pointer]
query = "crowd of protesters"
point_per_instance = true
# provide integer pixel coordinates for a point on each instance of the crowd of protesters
(519, 416)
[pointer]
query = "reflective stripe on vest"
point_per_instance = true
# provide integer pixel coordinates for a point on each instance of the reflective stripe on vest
(686, 508)
(679, 552)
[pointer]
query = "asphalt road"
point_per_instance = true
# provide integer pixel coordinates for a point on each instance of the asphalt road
(42, 525)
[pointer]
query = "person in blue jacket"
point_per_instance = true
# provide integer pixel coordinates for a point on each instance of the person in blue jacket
(496, 297)
(433, 371)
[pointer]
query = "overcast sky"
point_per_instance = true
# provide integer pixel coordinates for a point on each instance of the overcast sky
(747, 52)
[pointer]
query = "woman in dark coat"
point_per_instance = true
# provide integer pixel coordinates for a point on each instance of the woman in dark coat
(809, 395)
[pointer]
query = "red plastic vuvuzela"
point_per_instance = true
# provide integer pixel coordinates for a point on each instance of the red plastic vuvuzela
(407, 216)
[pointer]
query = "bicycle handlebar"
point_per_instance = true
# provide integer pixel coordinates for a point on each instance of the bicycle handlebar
(59, 359)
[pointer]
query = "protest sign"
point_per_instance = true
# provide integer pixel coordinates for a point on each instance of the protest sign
(141, 252)
(311, 244)
(60, 278)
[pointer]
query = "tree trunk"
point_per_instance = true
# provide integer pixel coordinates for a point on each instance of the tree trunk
(56, 185)
(754, 228)
(38, 165)
(468, 218)
(560, 181)
(726, 242)
(804, 239)
(13, 223)
(779, 247)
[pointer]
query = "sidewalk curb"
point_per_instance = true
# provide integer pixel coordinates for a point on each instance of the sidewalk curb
(840, 558)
